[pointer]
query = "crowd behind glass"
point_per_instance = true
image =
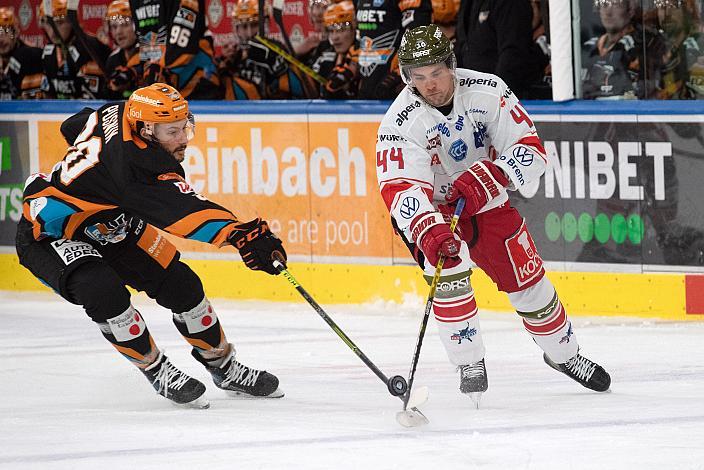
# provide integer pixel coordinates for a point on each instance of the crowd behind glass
(631, 49)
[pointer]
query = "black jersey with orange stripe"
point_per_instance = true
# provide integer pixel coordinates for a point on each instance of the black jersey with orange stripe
(109, 176)
(175, 46)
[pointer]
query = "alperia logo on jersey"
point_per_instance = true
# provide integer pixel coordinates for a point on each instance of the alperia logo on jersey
(403, 115)
(478, 81)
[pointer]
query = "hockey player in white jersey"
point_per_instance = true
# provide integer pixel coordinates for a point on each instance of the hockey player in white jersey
(455, 133)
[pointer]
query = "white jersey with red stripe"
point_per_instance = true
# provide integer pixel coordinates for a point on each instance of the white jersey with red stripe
(420, 151)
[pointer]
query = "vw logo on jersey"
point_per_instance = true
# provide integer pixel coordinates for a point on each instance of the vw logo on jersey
(377, 3)
(458, 150)
(409, 207)
(523, 156)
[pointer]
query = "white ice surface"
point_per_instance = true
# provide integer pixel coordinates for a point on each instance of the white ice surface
(69, 401)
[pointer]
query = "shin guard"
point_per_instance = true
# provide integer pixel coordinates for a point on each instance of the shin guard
(545, 319)
(201, 328)
(128, 333)
(456, 316)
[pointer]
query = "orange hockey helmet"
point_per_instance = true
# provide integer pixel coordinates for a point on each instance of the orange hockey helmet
(8, 22)
(247, 11)
(319, 4)
(118, 11)
(58, 7)
(445, 11)
(155, 104)
(339, 15)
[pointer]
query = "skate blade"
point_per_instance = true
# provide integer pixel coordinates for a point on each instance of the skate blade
(411, 418)
(200, 403)
(278, 393)
(476, 398)
(418, 397)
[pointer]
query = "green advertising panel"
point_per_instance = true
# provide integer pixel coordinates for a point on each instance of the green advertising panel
(620, 192)
(14, 169)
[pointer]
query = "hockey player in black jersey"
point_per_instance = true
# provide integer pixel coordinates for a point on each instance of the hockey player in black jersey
(253, 71)
(176, 47)
(21, 71)
(122, 68)
(72, 66)
(89, 229)
(380, 26)
(340, 66)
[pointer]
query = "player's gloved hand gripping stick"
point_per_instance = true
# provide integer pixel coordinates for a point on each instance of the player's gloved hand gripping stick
(411, 417)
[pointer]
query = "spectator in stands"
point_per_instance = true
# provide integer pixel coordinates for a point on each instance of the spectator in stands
(625, 62)
(254, 71)
(380, 26)
(683, 70)
(175, 47)
(445, 16)
(316, 42)
(542, 89)
(122, 67)
(21, 71)
(341, 65)
(72, 65)
(496, 37)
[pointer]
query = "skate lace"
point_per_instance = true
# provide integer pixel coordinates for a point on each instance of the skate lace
(240, 374)
(581, 367)
(473, 371)
(169, 377)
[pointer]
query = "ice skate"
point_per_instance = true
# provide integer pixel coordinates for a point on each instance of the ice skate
(582, 370)
(473, 381)
(177, 386)
(240, 380)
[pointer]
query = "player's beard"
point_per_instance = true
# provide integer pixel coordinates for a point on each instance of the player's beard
(179, 153)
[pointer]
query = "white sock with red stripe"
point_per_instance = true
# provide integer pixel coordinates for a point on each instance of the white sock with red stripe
(545, 319)
(458, 326)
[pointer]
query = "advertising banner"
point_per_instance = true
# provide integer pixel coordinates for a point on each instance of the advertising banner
(618, 191)
(14, 169)
(315, 183)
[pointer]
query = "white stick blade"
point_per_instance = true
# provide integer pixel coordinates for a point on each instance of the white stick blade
(418, 397)
(411, 418)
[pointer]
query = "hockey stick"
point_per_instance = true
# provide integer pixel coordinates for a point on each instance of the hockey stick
(262, 17)
(72, 13)
(292, 60)
(396, 385)
(404, 417)
(278, 9)
(49, 12)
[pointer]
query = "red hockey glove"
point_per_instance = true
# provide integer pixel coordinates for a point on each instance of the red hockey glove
(258, 247)
(432, 234)
(481, 183)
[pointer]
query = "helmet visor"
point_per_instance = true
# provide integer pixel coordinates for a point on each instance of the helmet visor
(406, 70)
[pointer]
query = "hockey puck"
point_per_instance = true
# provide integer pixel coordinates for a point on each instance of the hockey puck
(397, 385)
